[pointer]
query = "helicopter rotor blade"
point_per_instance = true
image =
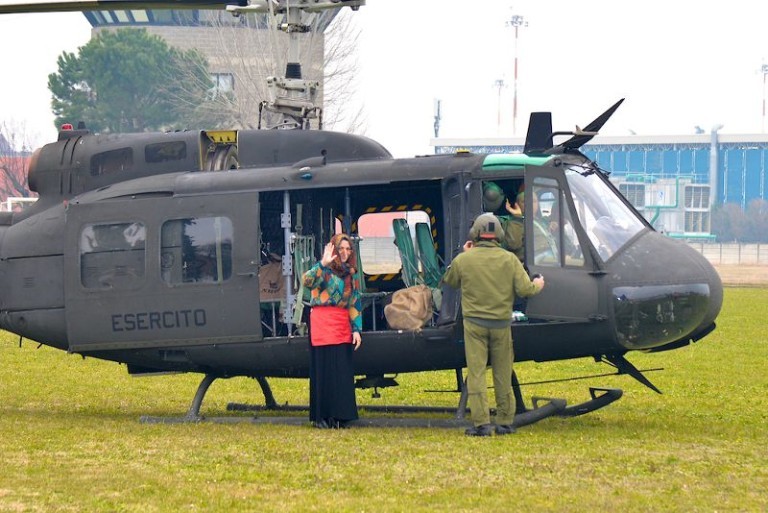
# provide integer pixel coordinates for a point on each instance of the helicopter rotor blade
(32, 6)
(234, 6)
(583, 135)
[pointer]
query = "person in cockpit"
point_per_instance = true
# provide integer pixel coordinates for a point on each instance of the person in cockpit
(511, 222)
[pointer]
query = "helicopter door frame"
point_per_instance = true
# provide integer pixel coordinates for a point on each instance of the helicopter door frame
(199, 283)
(563, 278)
(461, 204)
(458, 211)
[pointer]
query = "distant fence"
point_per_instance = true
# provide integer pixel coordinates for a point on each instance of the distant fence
(733, 253)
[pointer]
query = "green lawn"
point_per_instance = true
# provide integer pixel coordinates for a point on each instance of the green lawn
(70, 440)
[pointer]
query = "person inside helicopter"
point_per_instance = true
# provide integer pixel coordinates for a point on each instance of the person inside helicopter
(512, 225)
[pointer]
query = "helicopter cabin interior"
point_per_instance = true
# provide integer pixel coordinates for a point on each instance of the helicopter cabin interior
(402, 237)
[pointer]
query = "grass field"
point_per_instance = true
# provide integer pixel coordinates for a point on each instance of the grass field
(71, 441)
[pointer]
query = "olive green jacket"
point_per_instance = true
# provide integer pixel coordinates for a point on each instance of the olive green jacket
(513, 235)
(490, 278)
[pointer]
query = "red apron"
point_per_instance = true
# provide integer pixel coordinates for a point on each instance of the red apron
(329, 325)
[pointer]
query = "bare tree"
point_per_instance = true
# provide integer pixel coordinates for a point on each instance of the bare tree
(15, 154)
(256, 49)
(340, 70)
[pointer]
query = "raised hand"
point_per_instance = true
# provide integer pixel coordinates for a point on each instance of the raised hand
(515, 210)
(328, 255)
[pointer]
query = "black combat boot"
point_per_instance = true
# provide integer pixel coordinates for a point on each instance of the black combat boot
(505, 429)
(484, 430)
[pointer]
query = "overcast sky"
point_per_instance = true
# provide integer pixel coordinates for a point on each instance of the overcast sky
(678, 63)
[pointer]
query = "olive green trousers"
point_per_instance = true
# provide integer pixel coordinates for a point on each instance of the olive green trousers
(479, 344)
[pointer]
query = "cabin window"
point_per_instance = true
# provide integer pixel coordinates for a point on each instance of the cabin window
(196, 250)
(112, 256)
(112, 161)
(164, 152)
(378, 252)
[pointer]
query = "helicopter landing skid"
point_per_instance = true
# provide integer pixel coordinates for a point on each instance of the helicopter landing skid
(193, 414)
(608, 396)
(543, 407)
(537, 413)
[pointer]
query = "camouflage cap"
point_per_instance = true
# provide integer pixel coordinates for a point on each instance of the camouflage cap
(486, 227)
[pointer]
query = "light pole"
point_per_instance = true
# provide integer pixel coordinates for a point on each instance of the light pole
(516, 21)
(764, 70)
(499, 83)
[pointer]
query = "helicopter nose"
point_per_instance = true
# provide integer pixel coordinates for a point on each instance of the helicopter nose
(664, 294)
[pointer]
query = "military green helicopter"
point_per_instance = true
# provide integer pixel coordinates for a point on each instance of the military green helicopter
(153, 250)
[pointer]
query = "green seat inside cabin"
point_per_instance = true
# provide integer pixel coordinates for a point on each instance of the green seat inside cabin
(420, 263)
(422, 267)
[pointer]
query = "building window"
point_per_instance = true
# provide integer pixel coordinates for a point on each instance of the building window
(223, 83)
(697, 222)
(112, 256)
(697, 215)
(635, 194)
(697, 196)
(196, 250)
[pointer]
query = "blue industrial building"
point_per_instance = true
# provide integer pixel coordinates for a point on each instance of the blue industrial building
(673, 180)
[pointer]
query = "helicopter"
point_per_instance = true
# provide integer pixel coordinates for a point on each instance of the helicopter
(153, 250)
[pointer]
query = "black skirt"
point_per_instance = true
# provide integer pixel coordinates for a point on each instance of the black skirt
(332, 383)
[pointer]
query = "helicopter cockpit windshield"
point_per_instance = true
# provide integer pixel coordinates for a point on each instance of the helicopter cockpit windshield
(608, 222)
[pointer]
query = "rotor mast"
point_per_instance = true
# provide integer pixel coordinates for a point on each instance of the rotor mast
(291, 96)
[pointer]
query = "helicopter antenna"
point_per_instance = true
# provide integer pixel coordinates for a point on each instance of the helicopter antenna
(291, 96)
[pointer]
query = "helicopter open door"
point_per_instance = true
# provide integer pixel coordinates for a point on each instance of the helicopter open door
(556, 248)
(162, 272)
(461, 203)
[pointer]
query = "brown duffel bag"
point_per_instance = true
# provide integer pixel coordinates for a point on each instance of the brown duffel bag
(410, 308)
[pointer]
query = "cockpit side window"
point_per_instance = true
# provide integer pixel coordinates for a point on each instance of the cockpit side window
(544, 226)
(555, 241)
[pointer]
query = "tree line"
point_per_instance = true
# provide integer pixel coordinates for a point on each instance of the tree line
(731, 223)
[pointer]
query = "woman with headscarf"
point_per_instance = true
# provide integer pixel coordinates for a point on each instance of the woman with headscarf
(335, 324)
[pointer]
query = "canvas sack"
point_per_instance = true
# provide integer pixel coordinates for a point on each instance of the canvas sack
(410, 308)
(271, 281)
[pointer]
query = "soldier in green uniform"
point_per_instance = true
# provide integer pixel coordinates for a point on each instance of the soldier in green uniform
(486, 303)
(512, 225)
